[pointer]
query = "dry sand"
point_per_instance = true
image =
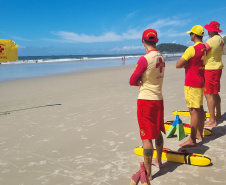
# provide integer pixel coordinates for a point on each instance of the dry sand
(81, 129)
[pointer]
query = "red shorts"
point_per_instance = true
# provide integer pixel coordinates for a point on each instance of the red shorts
(212, 81)
(150, 115)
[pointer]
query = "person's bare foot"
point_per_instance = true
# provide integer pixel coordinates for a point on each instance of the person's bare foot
(145, 177)
(157, 164)
(149, 178)
(199, 137)
(187, 144)
(210, 124)
(219, 118)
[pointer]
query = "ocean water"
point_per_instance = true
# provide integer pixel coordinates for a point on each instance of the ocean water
(28, 66)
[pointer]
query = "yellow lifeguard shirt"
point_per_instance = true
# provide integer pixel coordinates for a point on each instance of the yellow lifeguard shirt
(190, 52)
(214, 55)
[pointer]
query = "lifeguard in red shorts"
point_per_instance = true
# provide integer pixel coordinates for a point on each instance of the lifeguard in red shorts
(148, 75)
(213, 70)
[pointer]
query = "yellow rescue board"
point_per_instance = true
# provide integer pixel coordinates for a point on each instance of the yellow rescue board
(187, 113)
(179, 157)
(187, 128)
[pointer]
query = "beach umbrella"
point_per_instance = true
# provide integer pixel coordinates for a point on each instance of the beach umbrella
(8, 51)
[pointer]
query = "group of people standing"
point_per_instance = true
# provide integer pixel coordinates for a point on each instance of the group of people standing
(203, 68)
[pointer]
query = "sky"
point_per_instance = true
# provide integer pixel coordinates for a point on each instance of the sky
(87, 27)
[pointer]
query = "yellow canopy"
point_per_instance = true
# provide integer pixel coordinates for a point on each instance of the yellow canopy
(8, 51)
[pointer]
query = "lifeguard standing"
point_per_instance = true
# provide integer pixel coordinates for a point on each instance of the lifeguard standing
(213, 71)
(148, 75)
(193, 61)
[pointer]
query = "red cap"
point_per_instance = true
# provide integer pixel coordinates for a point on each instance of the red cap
(213, 26)
(150, 35)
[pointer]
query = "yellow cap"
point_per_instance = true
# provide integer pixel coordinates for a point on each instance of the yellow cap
(198, 30)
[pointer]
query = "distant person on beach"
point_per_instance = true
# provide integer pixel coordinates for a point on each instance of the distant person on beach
(213, 71)
(148, 75)
(123, 60)
(193, 61)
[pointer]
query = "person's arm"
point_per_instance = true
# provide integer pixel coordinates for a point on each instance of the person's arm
(207, 47)
(181, 63)
(135, 79)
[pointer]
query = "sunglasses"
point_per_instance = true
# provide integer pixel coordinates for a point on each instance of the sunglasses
(191, 33)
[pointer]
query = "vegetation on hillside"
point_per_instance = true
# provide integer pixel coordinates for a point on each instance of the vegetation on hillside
(171, 48)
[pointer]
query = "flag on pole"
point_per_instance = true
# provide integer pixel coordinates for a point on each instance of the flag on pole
(8, 51)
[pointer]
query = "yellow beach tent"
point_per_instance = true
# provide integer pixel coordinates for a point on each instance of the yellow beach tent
(8, 51)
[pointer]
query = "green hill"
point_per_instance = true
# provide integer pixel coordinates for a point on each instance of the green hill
(171, 48)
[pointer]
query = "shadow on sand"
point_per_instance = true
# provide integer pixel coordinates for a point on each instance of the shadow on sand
(167, 168)
(200, 148)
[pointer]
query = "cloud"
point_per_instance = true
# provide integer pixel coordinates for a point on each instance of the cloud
(169, 25)
(223, 35)
(189, 43)
(131, 34)
(168, 22)
(177, 34)
(171, 32)
(71, 37)
(127, 48)
(131, 15)
(74, 37)
(21, 47)
(20, 38)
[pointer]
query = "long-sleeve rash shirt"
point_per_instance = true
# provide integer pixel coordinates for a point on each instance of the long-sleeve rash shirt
(150, 70)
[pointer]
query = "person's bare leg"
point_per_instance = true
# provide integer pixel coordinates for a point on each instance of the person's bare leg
(159, 147)
(201, 113)
(148, 154)
(211, 106)
(191, 142)
(217, 99)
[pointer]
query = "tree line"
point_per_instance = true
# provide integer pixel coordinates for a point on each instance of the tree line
(171, 48)
(178, 48)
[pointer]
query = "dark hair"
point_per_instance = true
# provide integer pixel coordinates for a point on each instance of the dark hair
(199, 37)
(151, 43)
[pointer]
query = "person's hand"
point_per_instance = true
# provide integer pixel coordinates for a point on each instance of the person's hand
(185, 65)
(139, 82)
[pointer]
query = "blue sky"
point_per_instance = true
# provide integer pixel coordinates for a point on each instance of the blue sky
(74, 27)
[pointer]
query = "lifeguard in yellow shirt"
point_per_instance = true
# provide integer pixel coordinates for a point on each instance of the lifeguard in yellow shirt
(193, 62)
(213, 71)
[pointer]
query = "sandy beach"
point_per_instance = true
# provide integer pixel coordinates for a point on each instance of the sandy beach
(81, 128)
